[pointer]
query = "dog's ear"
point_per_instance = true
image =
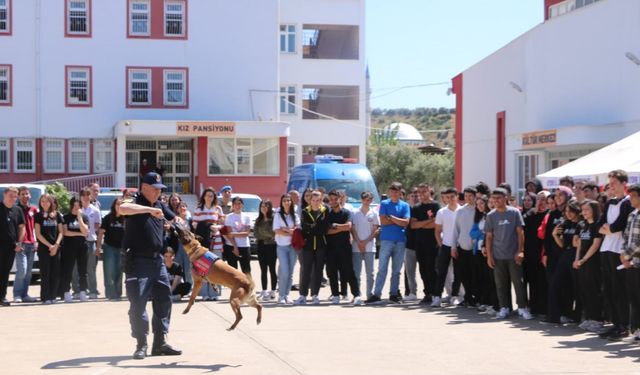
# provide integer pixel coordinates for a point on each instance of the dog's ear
(198, 237)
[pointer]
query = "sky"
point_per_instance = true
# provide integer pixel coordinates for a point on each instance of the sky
(413, 42)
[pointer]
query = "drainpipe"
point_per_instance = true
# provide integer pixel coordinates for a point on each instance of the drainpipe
(38, 77)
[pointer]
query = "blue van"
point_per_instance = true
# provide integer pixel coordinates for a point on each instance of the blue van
(332, 174)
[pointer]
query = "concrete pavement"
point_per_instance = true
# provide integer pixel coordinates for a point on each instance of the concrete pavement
(93, 338)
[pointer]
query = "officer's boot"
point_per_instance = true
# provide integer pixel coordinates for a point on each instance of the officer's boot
(161, 347)
(141, 349)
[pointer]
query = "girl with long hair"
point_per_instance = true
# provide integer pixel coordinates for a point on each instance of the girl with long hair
(264, 234)
(285, 221)
(109, 242)
(488, 297)
(206, 221)
(49, 230)
(74, 252)
(587, 262)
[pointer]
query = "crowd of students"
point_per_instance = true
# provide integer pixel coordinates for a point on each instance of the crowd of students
(570, 255)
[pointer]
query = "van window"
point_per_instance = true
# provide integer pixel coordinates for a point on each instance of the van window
(298, 185)
(353, 188)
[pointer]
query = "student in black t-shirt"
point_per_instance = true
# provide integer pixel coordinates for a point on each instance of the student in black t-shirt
(339, 257)
(179, 288)
(423, 225)
(12, 231)
(75, 250)
(587, 262)
(49, 230)
(109, 243)
(561, 296)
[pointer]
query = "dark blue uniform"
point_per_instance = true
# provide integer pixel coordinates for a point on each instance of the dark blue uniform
(146, 274)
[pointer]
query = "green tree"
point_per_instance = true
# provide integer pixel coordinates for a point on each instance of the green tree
(406, 164)
(62, 196)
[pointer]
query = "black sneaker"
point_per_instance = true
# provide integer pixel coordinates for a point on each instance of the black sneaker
(373, 299)
(426, 300)
(618, 334)
(607, 332)
(395, 299)
(550, 321)
(6, 303)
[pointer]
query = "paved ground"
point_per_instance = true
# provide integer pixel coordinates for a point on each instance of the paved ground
(93, 338)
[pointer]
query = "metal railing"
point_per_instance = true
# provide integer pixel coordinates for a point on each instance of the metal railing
(74, 184)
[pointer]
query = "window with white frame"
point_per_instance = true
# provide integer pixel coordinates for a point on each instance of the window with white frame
(5, 85)
(4, 155)
(54, 155)
(78, 17)
(4, 16)
(244, 156)
(174, 12)
(78, 90)
(288, 38)
(292, 153)
(287, 99)
(79, 156)
(102, 155)
(24, 155)
(174, 87)
(139, 87)
(139, 20)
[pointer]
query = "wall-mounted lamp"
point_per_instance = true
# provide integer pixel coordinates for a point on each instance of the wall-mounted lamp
(633, 58)
(449, 91)
(515, 86)
(127, 123)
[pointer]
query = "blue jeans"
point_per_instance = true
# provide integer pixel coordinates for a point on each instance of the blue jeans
(393, 250)
(112, 271)
(368, 259)
(24, 264)
(183, 260)
(287, 258)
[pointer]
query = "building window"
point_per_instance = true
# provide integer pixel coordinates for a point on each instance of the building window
(174, 87)
(4, 155)
(102, 155)
(288, 38)
(78, 86)
(5, 16)
(292, 152)
(78, 156)
(139, 20)
(24, 155)
(174, 15)
(5, 85)
(139, 87)
(54, 155)
(78, 17)
(244, 156)
(528, 169)
(288, 99)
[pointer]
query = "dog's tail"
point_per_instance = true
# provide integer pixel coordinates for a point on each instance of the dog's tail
(252, 300)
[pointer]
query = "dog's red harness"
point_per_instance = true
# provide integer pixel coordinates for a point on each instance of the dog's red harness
(203, 264)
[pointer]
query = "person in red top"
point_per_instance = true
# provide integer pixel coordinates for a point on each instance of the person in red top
(24, 258)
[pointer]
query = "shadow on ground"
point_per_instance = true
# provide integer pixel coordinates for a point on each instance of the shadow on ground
(125, 362)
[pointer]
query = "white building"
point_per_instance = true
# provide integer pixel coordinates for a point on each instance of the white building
(560, 91)
(405, 134)
(91, 87)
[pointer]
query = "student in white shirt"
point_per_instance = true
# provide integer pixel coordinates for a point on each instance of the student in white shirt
(366, 224)
(238, 227)
(285, 221)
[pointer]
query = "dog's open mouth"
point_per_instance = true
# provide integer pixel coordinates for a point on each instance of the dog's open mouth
(183, 234)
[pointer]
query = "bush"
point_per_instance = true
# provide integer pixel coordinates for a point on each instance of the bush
(60, 193)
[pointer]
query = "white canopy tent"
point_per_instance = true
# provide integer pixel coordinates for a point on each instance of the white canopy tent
(624, 154)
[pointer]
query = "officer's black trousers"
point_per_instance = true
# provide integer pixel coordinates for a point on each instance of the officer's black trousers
(148, 278)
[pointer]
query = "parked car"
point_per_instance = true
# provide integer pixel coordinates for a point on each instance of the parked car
(107, 196)
(331, 173)
(36, 191)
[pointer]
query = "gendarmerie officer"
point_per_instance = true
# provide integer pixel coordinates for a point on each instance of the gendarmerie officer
(146, 274)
